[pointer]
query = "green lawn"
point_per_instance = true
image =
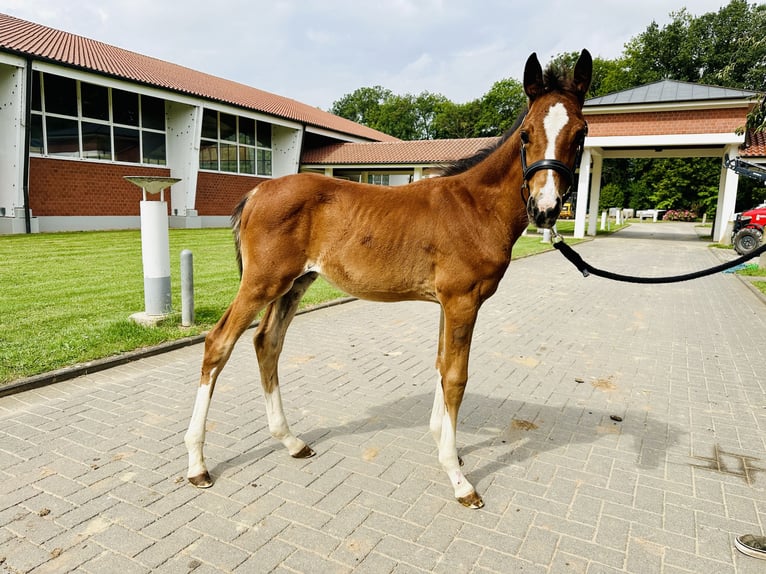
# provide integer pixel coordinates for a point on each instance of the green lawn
(753, 270)
(65, 298)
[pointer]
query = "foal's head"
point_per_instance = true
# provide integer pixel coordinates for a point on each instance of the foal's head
(552, 135)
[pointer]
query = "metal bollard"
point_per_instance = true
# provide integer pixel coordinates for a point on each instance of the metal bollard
(187, 288)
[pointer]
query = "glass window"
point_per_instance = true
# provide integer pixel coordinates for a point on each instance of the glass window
(36, 135)
(98, 126)
(154, 148)
(264, 134)
(95, 101)
(210, 124)
(229, 144)
(208, 155)
(264, 162)
(63, 136)
(247, 160)
(247, 131)
(126, 145)
(228, 127)
(152, 113)
(96, 141)
(125, 107)
(37, 100)
(60, 95)
(228, 157)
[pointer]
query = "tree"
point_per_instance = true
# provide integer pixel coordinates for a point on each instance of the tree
(362, 105)
(499, 108)
(724, 48)
(456, 121)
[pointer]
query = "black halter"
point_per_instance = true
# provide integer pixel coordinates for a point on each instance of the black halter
(554, 164)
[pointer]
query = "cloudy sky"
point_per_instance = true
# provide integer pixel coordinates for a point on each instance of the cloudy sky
(316, 51)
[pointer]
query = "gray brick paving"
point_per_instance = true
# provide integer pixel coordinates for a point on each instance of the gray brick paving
(92, 468)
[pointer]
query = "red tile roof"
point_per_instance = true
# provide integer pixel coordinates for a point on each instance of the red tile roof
(402, 152)
(30, 39)
(756, 145)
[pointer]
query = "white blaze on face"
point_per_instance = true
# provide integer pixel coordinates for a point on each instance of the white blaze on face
(554, 122)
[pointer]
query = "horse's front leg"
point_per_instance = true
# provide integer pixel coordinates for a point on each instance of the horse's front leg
(455, 333)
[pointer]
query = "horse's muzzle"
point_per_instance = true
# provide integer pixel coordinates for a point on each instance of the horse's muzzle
(543, 218)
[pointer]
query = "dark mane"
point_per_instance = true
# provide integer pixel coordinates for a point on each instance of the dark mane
(556, 79)
(466, 163)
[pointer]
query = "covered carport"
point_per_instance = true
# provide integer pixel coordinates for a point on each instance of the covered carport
(658, 120)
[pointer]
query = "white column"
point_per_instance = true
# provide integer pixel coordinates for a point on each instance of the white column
(12, 158)
(727, 199)
(184, 126)
(595, 192)
(582, 194)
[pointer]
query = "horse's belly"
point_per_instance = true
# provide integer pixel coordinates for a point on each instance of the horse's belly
(379, 282)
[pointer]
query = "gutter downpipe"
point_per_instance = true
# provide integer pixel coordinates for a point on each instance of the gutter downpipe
(27, 138)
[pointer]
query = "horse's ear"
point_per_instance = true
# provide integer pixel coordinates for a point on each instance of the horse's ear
(533, 77)
(583, 73)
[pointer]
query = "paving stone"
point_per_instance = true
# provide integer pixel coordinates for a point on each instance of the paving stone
(93, 469)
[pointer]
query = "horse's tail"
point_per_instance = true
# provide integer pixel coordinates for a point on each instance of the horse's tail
(236, 223)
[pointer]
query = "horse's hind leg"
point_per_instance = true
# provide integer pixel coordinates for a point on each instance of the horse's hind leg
(269, 339)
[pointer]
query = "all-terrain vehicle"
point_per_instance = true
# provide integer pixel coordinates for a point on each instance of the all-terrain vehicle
(747, 231)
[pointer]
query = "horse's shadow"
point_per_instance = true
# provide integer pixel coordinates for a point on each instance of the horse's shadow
(509, 436)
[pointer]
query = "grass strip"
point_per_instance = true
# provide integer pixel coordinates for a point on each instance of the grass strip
(66, 298)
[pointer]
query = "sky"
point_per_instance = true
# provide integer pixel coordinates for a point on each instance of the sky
(317, 51)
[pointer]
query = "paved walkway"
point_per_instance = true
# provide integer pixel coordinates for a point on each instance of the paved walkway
(609, 427)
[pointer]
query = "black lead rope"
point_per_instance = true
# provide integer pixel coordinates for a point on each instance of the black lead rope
(587, 269)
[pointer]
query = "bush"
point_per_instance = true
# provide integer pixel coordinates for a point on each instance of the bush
(679, 215)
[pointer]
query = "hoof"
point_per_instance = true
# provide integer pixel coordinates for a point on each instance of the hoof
(202, 480)
(460, 461)
(473, 500)
(305, 452)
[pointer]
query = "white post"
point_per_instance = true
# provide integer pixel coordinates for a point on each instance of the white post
(187, 288)
(155, 252)
(155, 248)
(603, 221)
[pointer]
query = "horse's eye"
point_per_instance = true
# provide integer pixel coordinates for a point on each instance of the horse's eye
(524, 138)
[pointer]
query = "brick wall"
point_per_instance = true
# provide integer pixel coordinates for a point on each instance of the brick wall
(670, 122)
(219, 193)
(81, 188)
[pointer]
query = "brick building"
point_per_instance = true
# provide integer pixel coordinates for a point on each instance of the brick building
(77, 116)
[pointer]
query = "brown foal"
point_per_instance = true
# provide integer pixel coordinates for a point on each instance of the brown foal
(447, 240)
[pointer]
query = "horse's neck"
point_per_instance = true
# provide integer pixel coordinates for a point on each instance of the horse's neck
(499, 177)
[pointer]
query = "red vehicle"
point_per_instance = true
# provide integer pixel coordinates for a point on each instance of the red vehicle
(748, 229)
(748, 226)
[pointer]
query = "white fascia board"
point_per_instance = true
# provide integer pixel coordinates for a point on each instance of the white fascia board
(666, 107)
(672, 140)
(342, 136)
(12, 60)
